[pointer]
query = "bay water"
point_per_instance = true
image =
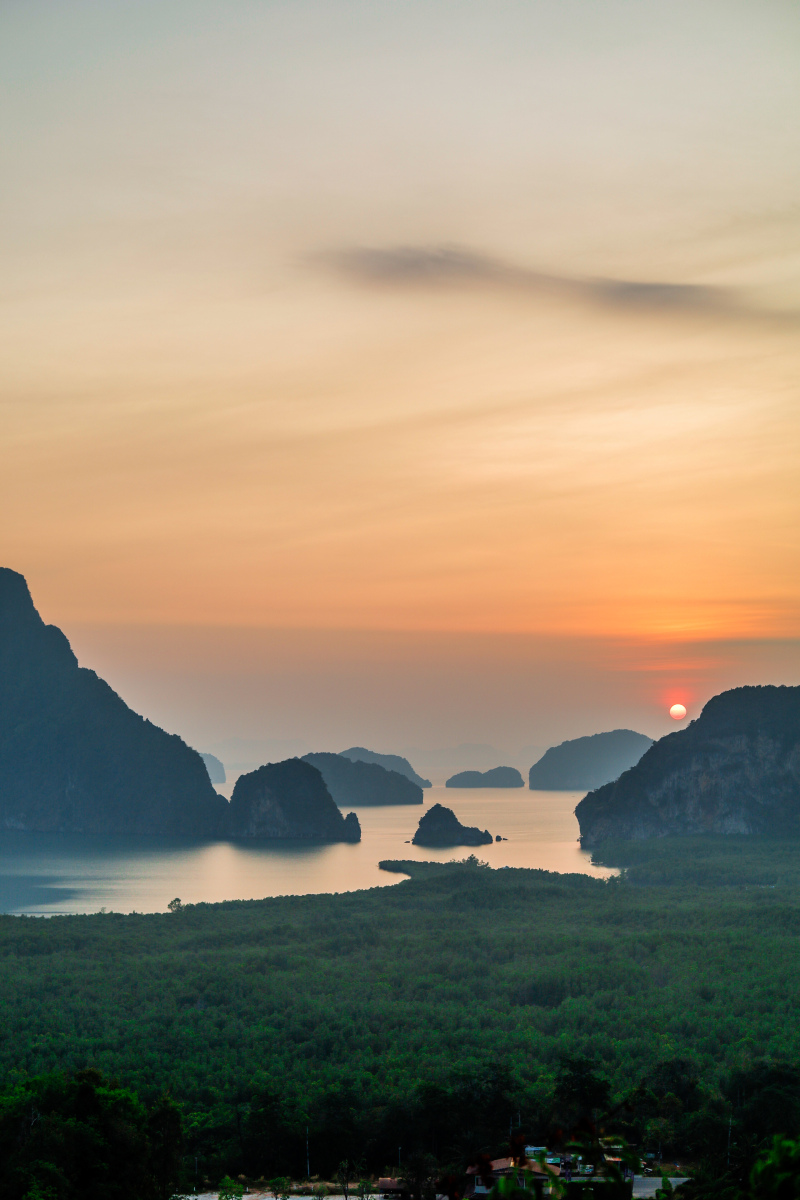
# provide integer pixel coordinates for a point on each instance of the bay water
(44, 874)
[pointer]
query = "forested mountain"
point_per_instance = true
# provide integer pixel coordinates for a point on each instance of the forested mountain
(73, 756)
(587, 762)
(736, 769)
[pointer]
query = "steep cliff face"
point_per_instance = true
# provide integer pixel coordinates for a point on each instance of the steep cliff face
(73, 756)
(288, 800)
(736, 769)
(588, 762)
(441, 827)
(363, 783)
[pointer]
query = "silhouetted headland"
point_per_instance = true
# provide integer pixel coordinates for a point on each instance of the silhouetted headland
(736, 769)
(73, 756)
(75, 759)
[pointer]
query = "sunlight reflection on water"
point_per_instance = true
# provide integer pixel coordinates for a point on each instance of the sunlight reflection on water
(49, 873)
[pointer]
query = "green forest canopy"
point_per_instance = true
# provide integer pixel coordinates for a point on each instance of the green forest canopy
(437, 1013)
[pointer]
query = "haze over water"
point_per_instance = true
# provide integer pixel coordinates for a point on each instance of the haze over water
(64, 873)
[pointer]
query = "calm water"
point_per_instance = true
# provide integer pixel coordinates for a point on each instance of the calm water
(48, 873)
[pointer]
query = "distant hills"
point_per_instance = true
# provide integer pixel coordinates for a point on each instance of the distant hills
(216, 769)
(391, 762)
(74, 758)
(469, 756)
(440, 826)
(497, 777)
(588, 762)
(363, 783)
(736, 769)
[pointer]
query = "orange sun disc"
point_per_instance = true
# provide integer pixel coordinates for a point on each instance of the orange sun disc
(678, 712)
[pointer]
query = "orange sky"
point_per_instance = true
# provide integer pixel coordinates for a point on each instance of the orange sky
(331, 317)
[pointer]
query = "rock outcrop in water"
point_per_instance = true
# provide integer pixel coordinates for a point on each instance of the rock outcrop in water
(288, 800)
(73, 756)
(392, 762)
(736, 769)
(441, 827)
(588, 762)
(498, 777)
(361, 783)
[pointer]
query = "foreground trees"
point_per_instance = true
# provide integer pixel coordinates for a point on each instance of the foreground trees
(82, 1137)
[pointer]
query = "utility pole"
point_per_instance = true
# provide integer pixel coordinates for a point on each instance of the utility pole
(730, 1122)
(308, 1160)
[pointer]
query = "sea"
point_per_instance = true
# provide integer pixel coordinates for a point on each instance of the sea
(43, 874)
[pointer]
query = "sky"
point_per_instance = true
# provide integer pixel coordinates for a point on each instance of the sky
(404, 374)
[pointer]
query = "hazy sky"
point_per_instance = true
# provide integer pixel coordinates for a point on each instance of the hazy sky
(405, 371)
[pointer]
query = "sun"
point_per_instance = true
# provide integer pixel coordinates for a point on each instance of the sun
(678, 712)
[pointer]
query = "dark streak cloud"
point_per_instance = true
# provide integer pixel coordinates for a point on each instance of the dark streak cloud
(453, 266)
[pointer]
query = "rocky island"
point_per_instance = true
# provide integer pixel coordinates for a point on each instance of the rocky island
(73, 757)
(736, 769)
(498, 777)
(441, 827)
(392, 762)
(588, 762)
(288, 800)
(363, 783)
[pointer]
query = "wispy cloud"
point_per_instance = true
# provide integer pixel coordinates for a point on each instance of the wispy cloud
(453, 266)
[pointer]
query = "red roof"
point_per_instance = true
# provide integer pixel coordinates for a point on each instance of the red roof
(505, 1164)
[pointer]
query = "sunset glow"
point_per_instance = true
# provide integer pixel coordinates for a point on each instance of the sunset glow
(383, 329)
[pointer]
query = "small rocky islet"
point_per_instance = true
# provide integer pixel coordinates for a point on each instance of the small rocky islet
(440, 826)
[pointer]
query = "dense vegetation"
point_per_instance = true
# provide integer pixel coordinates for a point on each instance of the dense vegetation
(438, 1014)
(81, 1137)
